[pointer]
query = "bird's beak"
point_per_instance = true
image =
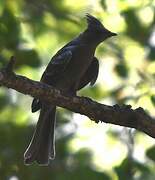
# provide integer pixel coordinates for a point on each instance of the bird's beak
(109, 33)
(113, 34)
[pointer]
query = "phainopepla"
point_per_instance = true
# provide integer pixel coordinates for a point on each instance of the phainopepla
(70, 69)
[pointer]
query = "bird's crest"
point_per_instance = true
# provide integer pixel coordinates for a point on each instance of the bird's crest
(93, 22)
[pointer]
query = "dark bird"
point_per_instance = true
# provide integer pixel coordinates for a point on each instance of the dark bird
(70, 69)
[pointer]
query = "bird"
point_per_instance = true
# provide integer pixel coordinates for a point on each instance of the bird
(73, 67)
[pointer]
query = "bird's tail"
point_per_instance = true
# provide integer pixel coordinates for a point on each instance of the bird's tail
(42, 145)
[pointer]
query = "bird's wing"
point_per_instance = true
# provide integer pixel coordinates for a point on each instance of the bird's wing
(56, 66)
(90, 75)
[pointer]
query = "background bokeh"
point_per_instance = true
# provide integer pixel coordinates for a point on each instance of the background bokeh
(32, 31)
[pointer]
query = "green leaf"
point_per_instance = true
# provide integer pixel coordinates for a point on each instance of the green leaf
(150, 153)
(9, 30)
(122, 70)
(153, 99)
(135, 29)
(151, 54)
(129, 167)
(27, 57)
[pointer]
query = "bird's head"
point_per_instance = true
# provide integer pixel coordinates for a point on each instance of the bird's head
(97, 30)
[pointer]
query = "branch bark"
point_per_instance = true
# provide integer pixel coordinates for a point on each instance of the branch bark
(122, 115)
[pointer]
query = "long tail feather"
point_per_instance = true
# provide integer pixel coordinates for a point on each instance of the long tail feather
(42, 145)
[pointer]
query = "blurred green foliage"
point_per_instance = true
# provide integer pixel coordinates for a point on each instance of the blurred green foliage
(33, 31)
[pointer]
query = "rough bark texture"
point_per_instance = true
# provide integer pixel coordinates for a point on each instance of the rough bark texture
(118, 115)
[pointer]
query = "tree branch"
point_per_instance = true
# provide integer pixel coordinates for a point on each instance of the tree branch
(118, 115)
